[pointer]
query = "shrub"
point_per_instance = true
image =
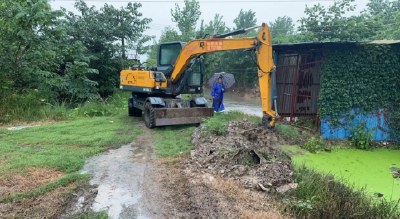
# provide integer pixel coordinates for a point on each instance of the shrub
(314, 145)
(361, 137)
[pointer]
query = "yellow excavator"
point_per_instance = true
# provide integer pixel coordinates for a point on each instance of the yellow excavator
(156, 91)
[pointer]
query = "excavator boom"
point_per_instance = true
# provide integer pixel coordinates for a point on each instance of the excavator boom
(262, 46)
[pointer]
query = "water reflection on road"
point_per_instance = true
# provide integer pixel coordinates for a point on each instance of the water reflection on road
(251, 106)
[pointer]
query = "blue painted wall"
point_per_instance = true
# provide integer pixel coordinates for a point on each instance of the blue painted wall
(375, 121)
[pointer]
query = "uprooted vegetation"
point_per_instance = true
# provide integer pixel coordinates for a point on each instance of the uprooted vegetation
(247, 153)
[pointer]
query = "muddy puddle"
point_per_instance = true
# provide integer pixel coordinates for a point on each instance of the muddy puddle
(118, 175)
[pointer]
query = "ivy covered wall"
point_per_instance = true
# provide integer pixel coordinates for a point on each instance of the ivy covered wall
(360, 82)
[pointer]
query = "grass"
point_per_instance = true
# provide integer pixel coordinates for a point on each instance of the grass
(64, 146)
(92, 215)
(217, 124)
(86, 130)
(322, 196)
(91, 132)
(27, 108)
(70, 178)
(173, 140)
(288, 130)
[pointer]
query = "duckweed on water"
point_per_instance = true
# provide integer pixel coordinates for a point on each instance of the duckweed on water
(370, 169)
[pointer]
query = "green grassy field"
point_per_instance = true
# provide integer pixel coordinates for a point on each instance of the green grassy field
(60, 147)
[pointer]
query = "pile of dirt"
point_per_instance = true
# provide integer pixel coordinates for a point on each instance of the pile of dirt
(247, 153)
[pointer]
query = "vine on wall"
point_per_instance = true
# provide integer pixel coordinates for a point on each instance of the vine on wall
(364, 77)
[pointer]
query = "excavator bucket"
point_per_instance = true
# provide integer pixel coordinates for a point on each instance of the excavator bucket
(179, 116)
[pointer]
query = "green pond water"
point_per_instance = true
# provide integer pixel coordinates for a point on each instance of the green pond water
(370, 169)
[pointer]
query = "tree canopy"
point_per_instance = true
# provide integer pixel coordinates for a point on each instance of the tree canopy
(320, 23)
(73, 57)
(64, 56)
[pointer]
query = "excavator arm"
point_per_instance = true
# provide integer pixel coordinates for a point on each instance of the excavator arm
(261, 45)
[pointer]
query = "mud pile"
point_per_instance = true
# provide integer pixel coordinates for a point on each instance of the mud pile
(247, 153)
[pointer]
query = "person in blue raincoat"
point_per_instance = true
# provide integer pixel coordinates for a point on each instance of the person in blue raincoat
(217, 93)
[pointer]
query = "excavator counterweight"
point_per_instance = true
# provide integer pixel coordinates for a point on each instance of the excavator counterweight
(156, 91)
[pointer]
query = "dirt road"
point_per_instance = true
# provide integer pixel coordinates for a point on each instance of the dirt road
(130, 182)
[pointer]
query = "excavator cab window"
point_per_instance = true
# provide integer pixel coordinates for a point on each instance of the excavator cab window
(196, 72)
(169, 53)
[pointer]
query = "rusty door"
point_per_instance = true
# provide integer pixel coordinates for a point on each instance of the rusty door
(298, 83)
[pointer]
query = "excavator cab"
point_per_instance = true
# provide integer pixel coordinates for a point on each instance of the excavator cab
(192, 81)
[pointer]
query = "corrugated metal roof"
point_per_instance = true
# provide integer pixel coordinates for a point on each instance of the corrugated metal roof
(338, 42)
(385, 42)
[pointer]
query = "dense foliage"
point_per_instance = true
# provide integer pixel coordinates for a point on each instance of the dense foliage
(49, 56)
(64, 56)
(56, 56)
(320, 23)
(362, 78)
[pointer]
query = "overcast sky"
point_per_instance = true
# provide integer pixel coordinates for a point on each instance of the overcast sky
(159, 11)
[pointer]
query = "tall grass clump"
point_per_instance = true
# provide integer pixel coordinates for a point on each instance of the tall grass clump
(322, 196)
(30, 107)
(217, 124)
(27, 107)
(290, 131)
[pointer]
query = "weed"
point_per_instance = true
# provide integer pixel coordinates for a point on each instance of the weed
(92, 215)
(305, 122)
(288, 130)
(314, 145)
(360, 137)
(322, 196)
(30, 107)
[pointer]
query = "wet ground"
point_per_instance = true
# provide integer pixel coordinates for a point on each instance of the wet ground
(130, 182)
(118, 175)
(251, 106)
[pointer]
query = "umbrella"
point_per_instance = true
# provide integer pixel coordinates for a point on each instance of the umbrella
(227, 79)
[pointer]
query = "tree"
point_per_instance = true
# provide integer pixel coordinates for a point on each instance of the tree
(124, 23)
(282, 26)
(331, 23)
(245, 19)
(187, 18)
(382, 16)
(103, 32)
(186, 21)
(38, 54)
